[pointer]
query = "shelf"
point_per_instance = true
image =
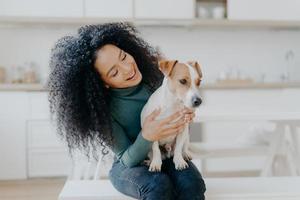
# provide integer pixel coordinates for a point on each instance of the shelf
(22, 87)
(214, 23)
(277, 85)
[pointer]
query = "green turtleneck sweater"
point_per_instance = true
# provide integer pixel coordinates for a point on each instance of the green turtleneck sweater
(126, 105)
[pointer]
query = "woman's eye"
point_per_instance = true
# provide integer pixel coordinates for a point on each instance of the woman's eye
(183, 81)
(124, 57)
(115, 74)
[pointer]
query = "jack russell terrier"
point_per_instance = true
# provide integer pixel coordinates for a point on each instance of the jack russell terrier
(180, 88)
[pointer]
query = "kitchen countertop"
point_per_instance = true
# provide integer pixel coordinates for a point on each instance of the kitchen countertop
(39, 87)
(22, 87)
(275, 85)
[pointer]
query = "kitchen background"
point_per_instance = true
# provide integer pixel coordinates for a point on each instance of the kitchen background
(249, 51)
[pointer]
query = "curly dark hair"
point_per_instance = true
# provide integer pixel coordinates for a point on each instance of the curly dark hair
(78, 99)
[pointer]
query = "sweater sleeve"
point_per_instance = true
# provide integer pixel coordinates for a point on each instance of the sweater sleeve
(130, 154)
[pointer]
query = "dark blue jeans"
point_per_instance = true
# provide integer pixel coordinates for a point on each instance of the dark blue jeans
(170, 183)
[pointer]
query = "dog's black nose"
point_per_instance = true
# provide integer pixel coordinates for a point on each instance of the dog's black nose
(196, 101)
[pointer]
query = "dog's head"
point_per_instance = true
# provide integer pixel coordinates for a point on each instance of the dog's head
(184, 80)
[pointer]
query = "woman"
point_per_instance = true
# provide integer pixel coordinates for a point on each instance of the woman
(99, 82)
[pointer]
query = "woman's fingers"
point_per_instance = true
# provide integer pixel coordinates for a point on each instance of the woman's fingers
(189, 117)
(154, 114)
(187, 110)
(173, 131)
(175, 125)
(171, 118)
(188, 113)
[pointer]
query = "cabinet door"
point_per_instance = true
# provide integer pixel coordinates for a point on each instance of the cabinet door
(48, 162)
(165, 9)
(109, 8)
(263, 9)
(42, 8)
(47, 154)
(39, 107)
(12, 150)
(42, 134)
(13, 111)
(13, 105)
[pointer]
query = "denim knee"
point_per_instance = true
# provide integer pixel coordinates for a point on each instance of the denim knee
(160, 187)
(192, 190)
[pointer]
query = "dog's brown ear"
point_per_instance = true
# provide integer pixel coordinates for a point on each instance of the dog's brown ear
(166, 66)
(196, 65)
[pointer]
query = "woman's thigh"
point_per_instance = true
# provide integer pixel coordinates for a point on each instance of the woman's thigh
(139, 183)
(188, 183)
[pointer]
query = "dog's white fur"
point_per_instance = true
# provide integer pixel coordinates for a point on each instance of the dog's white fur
(169, 103)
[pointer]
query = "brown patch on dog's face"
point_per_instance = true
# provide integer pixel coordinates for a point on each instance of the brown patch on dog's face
(197, 67)
(180, 80)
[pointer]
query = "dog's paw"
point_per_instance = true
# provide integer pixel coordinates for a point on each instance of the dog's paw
(180, 163)
(155, 166)
(187, 155)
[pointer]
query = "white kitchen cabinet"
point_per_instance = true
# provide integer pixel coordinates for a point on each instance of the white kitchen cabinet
(263, 9)
(244, 102)
(38, 106)
(29, 145)
(42, 8)
(47, 154)
(42, 134)
(13, 111)
(48, 162)
(13, 105)
(12, 150)
(165, 9)
(109, 8)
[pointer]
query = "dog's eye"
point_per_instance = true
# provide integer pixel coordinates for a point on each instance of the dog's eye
(183, 81)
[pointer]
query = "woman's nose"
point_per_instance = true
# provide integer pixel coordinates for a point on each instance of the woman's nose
(126, 68)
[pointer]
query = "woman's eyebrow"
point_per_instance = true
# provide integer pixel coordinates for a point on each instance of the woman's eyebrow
(114, 65)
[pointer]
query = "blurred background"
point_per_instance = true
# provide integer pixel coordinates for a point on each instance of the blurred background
(249, 51)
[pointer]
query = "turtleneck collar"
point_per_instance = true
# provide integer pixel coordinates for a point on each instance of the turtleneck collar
(123, 92)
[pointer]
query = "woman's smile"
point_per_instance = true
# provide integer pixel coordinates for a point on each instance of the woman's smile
(132, 76)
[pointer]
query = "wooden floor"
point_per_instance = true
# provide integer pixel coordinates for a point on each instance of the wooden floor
(32, 189)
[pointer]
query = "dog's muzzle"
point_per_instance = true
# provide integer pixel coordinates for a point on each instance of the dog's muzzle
(196, 101)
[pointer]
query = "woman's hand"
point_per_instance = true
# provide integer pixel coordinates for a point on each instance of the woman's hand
(154, 130)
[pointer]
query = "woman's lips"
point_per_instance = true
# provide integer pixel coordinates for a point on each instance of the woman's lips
(132, 76)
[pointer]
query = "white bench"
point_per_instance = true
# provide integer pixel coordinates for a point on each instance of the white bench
(252, 188)
(80, 187)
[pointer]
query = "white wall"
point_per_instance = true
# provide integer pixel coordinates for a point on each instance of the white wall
(252, 51)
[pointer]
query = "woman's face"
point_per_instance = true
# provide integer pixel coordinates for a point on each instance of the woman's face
(117, 68)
